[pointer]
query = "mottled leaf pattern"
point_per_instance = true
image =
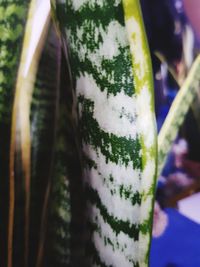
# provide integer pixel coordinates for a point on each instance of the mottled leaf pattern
(111, 77)
(80, 140)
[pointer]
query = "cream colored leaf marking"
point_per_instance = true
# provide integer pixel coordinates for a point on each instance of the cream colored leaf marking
(20, 120)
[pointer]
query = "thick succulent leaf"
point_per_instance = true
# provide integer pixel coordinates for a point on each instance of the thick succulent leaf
(66, 170)
(177, 112)
(20, 148)
(44, 108)
(13, 15)
(111, 75)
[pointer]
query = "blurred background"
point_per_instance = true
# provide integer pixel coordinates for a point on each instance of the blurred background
(173, 29)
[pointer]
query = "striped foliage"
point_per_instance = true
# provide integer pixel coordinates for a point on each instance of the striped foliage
(13, 15)
(111, 75)
(61, 236)
(25, 188)
(17, 72)
(20, 148)
(44, 108)
(177, 113)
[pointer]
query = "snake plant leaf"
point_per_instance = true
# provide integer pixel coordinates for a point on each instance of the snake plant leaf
(44, 107)
(73, 163)
(67, 170)
(19, 171)
(111, 74)
(177, 112)
(13, 15)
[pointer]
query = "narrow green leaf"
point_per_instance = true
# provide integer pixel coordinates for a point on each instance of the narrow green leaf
(177, 112)
(58, 238)
(43, 117)
(13, 15)
(19, 180)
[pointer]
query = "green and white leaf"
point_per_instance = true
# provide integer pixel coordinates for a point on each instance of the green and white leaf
(111, 75)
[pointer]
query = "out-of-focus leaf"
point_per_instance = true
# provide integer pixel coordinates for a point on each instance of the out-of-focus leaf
(177, 112)
(196, 109)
